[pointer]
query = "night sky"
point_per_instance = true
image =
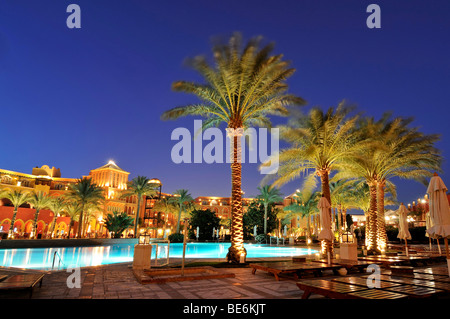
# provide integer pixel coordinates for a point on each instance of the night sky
(77, 98)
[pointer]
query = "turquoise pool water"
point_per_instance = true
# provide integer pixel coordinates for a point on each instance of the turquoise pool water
(42, 258)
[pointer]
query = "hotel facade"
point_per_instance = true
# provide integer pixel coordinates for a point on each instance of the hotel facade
(113, 180)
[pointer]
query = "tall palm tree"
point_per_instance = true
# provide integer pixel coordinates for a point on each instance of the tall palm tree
(85, 192)
(389, 149)
(73, 209)
(38, 201)
(407, 153)
(268, 195)
(57, 205)
(17, 198)
(181, 198)
(304, 205)
(321, 142)
(139, 186)
(91, 210)
(242, 88)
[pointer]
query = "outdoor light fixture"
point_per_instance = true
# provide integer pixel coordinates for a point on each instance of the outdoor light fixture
(347, 237)
(144, 238)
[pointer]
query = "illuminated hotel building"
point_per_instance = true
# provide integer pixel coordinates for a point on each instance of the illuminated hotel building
(110, 177)
(113, 180)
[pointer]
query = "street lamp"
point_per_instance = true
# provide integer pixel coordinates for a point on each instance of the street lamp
(347, 237)
(144, 238)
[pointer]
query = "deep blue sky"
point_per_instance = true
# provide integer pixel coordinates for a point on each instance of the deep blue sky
(76, 98)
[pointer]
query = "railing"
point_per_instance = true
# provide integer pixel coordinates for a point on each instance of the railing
(59, 260)
(155, 243)
(277, 238)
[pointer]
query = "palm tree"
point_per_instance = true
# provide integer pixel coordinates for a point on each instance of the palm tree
(242, 88)
(85, 192)
(181, 198)
(17, 198)
(167, 206)
(57, 205)
(73, 209)
(117, 223)
(90, 211)
(139, 186)
(322, 143)
(38, 201)
(268, 195)
(304, 205)
(389, 149)
(407, 153)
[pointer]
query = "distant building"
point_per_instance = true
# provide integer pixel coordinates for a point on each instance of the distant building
(110, 177)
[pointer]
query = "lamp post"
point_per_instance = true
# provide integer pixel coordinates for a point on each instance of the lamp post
(348, 247)
(347, 237)
(142, 252)
(144, 238)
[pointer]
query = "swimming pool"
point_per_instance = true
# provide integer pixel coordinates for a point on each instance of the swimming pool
(42, 258)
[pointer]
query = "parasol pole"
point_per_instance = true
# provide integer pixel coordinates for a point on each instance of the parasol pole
(446, 247)
(406, 247)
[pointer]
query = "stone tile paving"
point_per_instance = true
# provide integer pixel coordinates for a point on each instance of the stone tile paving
(118, 282)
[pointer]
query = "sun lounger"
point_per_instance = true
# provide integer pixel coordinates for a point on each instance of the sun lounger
(414, 260)
(19, 281)
(339, 290)
(439, 286)
(295, 268)
(434, 270)
(385, 261)
(349, 264)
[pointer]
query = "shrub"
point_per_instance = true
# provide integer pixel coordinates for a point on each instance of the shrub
(176, 238)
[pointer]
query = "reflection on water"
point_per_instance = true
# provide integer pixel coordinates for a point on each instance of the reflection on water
(43, 258)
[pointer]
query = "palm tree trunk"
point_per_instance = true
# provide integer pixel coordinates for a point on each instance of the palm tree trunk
(13, 221)
(36, 215)
(326, 193)
(136, 221)
(80, 221)
(236, 249)
(165, 224)
(308, 228)
(381, 226)
(344, 218)
(52, 228)
(179, 218)
(70, 227)
(265, 218)
(371, 228)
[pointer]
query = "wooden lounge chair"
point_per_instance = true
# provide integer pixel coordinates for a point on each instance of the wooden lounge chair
(439, 286)
(339, 290)
(411, 291)
(290, 267)
(433, 270)
(414, 260)
(385, 261)
(349, 264)
(19, 281)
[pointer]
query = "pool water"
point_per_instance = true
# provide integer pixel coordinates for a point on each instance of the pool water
(43, 258)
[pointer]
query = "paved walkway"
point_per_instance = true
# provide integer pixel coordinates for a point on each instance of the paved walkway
(118, 282)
